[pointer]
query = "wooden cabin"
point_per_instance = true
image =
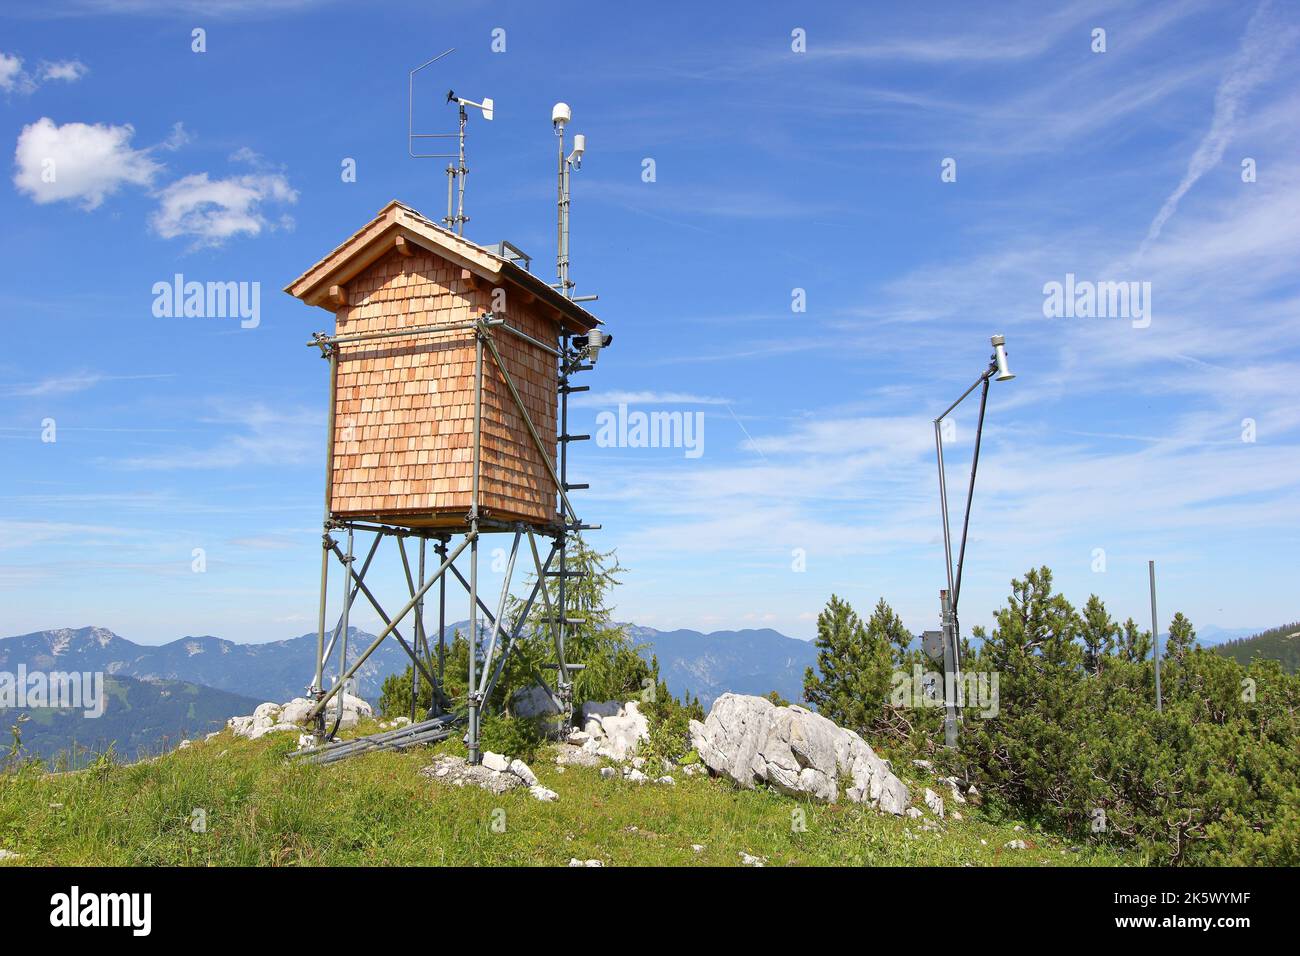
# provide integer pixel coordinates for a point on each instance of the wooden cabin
(404, 405)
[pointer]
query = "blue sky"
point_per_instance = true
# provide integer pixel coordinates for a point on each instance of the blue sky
(775, 171)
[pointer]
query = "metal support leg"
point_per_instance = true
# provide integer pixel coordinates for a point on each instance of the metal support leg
(473, 652)
(318, 681)
(442, 615)
(471, 689)
(343, 646)
(421, 638)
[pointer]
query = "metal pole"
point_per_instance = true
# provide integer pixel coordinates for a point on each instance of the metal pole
(319, 677)
(560, 272)
(343, 647)
(421, 638)
(943, 501)
(471, 688)
(441, 550)
(1155, 632)
(566, 173)
(949, 673)
(318, 680)
(450, 218)
(562, 683)
(970, 494)
(460, 201)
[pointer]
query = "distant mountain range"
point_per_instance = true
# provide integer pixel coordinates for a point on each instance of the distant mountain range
(693, 664)
(705, 665)
(139, 718)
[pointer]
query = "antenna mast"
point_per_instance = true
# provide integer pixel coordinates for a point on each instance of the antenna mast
(560, 116)
(456, 169)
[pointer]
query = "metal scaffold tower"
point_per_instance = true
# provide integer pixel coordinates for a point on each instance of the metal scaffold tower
(493, 633)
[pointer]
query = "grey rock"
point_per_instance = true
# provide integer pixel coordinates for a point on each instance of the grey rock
(570, 756)
(616, 730)
(533, 702)
(523, 772)
(795, 751)
(497, 762)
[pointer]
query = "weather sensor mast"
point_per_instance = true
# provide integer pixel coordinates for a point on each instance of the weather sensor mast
(456, 169)
(560, 116)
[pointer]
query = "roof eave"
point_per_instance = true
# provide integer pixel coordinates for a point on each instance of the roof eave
(379, 237)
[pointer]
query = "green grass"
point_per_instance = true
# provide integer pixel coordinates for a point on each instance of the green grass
(377, 810)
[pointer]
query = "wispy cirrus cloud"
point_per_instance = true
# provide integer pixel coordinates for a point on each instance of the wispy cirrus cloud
(70, 384)
(254, 434)
(602, 399)
(1266, 41)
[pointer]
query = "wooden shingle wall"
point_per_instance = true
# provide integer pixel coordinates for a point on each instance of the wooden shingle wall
(404, 416)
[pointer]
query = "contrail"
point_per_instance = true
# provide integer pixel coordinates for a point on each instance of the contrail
(1262, 46)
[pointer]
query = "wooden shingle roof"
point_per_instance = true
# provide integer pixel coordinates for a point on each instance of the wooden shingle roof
(397, 224)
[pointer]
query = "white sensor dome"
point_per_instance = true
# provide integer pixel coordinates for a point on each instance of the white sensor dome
(561, 114)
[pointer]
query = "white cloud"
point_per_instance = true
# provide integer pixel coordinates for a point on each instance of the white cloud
(212, 211)
(86, 163)
(12, 77)
(77, 161)
(68, 71)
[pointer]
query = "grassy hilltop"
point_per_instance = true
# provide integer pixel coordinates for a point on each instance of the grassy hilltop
(377, 810)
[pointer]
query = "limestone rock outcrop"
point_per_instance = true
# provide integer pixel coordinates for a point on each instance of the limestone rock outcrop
(792, 749)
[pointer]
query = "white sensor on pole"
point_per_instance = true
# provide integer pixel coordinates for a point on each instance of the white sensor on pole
(486, 106)
(561, 114)
(1000, 356)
